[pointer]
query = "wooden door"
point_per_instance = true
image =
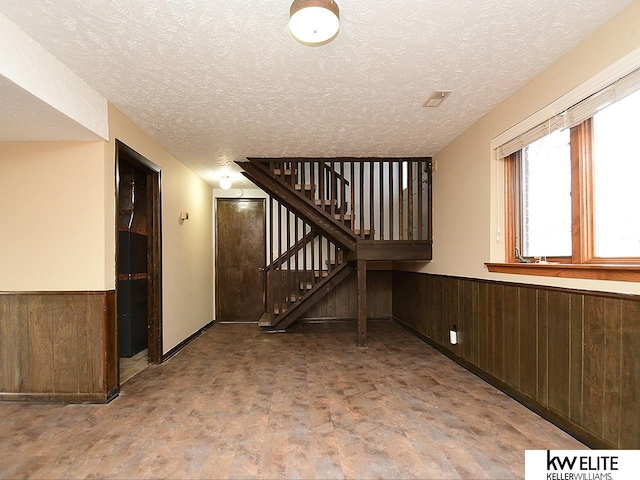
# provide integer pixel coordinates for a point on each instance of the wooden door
(240, 259)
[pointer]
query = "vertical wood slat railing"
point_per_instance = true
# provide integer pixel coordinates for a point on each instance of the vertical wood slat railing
(378, 199)
(300, 257)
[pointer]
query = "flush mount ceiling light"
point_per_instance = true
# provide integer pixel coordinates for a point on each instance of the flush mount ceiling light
(314, 22)
(225, 182)
(437, 98)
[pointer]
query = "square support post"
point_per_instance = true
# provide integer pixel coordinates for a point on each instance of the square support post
(362, 304)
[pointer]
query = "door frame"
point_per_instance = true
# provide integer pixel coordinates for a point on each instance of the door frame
(154, 248)
(264, 255)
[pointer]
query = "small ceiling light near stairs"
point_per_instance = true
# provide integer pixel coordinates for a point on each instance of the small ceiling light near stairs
(314, 22)
(225, 182)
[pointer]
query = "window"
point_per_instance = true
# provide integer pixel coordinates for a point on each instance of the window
(616, 189)
(544, 187)
(573, 185)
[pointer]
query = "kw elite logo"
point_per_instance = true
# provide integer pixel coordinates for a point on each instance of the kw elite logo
(584, 467)
(581, 464)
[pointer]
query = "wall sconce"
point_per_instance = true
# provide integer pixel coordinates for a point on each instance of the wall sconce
(225, 182)
(453, 336)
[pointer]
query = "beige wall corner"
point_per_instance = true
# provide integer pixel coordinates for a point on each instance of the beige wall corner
(467, 189)
(33, 69)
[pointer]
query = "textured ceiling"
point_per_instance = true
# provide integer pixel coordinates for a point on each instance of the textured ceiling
(215, 81)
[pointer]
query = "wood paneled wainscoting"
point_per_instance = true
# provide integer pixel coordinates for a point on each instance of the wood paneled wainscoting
(572, 356)
(58, 346)
(340, 303)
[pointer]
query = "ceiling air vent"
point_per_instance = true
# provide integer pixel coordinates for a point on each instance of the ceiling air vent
(437, 98)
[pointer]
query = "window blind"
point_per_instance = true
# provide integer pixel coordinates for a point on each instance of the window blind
(575, 114)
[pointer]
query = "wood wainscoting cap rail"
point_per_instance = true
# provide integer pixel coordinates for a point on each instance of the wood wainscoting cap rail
(619, 272)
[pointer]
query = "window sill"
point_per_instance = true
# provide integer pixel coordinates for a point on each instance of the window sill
(623, 273)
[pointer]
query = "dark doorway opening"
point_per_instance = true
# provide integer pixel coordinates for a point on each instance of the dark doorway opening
(240, 259)
(138, 257)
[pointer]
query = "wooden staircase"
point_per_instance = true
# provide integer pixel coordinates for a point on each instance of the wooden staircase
(300, 300)
(328, 217)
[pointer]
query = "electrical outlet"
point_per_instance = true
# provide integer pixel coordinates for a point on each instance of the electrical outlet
(453, 335)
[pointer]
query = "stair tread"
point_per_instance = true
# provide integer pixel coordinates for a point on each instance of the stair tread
(278, 171)
(307, 189)
(266, 320)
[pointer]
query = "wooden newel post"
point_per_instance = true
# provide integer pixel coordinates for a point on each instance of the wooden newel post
(362, 304)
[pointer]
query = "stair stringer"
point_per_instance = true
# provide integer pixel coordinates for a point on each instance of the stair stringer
(308, 300)
(321, 220)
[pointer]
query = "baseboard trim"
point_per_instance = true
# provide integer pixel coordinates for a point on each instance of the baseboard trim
(58, 292)
(337, 319)
(171, 353)
(570, 428)
(113, 393)
(236, 323)
(60, 398)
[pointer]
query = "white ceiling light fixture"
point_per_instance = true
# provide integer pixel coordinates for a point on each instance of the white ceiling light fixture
(437, 98)
(314, 22)
(225, 182)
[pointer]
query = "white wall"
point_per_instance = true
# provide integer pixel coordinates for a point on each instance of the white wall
(467, 192)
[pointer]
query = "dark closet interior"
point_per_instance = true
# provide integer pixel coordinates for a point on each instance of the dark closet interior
(132, 266)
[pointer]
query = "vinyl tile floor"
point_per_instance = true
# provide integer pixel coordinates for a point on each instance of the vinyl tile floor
(130, 367)
(236, 403)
